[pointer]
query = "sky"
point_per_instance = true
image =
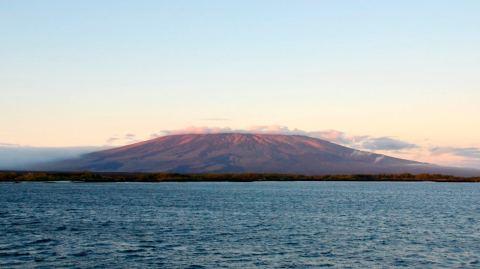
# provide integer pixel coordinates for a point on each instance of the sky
(400, 78)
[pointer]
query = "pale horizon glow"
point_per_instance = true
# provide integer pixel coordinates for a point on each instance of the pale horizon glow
(365, 74)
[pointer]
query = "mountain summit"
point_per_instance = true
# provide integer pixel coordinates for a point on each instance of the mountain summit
(242, 153)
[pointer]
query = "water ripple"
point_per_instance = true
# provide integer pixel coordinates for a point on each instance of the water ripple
(241, 225)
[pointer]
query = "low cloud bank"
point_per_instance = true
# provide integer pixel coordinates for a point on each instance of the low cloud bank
(386, 143)
(23, 157)
(19, 157)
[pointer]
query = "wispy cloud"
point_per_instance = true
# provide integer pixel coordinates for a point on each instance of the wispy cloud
(111, 140)
(131, 139)
(152, 136)
(119, 140)
(130, 136)
(378, 159)
(463, 152)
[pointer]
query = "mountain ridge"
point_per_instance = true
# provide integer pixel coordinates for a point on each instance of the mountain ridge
(244, 153)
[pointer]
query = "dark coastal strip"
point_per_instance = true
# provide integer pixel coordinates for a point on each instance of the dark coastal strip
(85, 176)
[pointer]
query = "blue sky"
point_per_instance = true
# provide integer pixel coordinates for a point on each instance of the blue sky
(78, 73)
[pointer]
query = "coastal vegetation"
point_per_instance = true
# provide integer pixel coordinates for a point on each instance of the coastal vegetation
(86, 176)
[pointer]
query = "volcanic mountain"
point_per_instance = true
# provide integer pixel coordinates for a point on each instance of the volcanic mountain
(243, 153)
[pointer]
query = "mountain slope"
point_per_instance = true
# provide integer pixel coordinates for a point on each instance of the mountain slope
(241, 153)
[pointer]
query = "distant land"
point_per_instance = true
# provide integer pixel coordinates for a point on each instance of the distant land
(245, 153)
(112, 177)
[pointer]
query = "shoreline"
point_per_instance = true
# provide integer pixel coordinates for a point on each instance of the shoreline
(113, 177)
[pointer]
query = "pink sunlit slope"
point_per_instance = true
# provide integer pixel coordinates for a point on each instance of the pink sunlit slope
(242, 153)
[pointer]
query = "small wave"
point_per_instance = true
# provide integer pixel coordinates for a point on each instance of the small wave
(147, 246)
(81, 254)
(21, 254)
(195, 266)
(132, 250)
(40, 241)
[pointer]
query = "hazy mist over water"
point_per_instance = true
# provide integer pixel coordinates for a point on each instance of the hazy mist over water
(22, 158)
(243, 225)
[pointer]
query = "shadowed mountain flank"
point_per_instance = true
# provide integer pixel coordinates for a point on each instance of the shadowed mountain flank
(243, 153)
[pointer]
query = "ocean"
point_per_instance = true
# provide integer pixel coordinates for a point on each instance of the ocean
(240, 225)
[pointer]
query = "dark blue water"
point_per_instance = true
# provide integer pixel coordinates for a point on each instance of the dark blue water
(244, 225)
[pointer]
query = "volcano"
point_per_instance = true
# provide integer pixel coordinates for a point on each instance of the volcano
(244, 153)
